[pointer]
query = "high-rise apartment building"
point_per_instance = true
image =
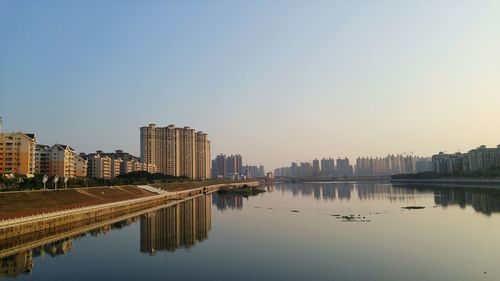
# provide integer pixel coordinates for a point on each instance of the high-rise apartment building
(203, 156)
(315, 168)
(17, 153)
(219, 166)
(187, 157)
(327, 167)
(234, 164)
(171, 142)
(176, 151)
(344, 169)
(480, 159)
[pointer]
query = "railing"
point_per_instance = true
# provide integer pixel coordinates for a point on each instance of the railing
(9, 222)
(153, 189)
(70, 211)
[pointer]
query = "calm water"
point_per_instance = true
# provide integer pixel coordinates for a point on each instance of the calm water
(327, 231)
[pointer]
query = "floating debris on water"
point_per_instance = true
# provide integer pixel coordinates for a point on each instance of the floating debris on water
(413, 207)
(352, 218)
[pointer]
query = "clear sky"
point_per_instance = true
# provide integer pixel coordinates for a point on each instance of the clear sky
(276, 81)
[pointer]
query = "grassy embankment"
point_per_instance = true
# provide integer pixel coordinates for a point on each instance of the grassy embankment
(25, 203)
(20, 204)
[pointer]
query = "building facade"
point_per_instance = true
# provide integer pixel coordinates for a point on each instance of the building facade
(176, 151)
(42, 158)
(17, 153)
(80, 167)
(481, 159)
(62, 161)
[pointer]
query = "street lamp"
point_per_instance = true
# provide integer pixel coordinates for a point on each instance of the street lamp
(65, 182)
(56, 178)
(44, 180)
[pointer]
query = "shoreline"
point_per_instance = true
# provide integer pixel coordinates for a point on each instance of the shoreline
(452, 182)
(27, 224)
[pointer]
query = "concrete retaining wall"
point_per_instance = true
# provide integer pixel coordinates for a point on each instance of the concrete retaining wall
(21, 226)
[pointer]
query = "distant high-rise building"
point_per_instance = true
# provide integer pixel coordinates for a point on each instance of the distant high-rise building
(480, 159)
(294, 170)
(262, 171)
(327, 167)
(252, 171)
(234, 163)
(315, 168)
(344, 169)
(219, 166)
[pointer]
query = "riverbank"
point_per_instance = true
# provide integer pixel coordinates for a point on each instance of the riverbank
(27, 203)
(40, 215)
(451, 182)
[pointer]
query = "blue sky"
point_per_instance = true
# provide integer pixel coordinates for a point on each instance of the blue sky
(276, 81)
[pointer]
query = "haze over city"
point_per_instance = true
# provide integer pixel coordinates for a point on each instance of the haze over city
(276, 81)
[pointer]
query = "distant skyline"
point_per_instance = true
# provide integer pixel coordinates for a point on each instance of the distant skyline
(274, 81)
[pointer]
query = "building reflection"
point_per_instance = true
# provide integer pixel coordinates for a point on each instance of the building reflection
(165, 229)
(483, 200)
(225, 202)
(15, 265)
(486, 201)
(22, 263)
(178, 226)
(345, 191)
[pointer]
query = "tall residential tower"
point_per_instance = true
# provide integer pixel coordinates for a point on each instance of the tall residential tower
(176, 151)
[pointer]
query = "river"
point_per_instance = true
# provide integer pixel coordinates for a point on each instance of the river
(303, 231)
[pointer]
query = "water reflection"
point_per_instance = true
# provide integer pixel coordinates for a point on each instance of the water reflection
(177, 226)
(344, 191)
(482, 200)
(485, 201)
(225, 202)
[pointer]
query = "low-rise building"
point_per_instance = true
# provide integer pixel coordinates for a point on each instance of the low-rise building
(17, 153)
(80, 167)
(62, 161)
(100, 166)
(42, 158)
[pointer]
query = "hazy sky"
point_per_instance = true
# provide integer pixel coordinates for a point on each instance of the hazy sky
(276, 81)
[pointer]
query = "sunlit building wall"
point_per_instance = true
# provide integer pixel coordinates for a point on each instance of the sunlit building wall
(17, 153)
